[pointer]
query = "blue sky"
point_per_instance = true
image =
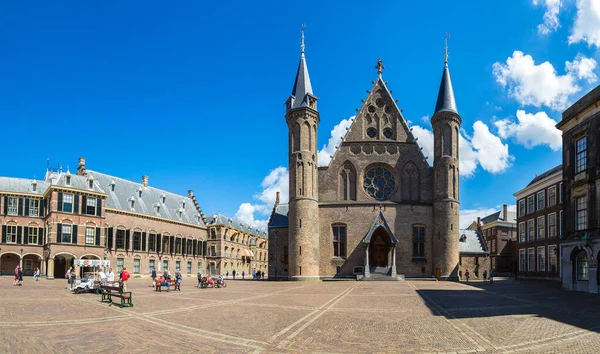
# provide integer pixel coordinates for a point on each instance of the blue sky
(192, 93)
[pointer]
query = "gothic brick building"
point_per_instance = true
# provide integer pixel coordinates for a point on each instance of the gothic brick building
(378, 209)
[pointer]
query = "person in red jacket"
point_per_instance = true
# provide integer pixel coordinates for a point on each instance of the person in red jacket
(124, 278)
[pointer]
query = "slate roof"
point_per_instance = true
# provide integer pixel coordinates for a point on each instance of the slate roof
(471, 242)
(280, 216)
(302, 86)
(218, 219)
(545, 174)
(22, 185)
(174, 206)
(499, 216)
(445, 101)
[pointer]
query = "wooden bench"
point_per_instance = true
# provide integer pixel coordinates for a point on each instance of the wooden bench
(116, 290)
(172, 284)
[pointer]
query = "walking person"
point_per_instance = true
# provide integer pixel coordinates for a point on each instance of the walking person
(36, 274)
(68, 277)
(233, 273)
(16, 279)
(262, 274)
(243, 274)
(20, 274)
(492, 276)
(467, 274)
(73, 278)
(199, 279)
(124, 278)
(485, 275)
(178, 279)
(153, 277)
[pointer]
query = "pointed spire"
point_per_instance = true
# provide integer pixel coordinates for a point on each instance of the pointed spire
(445, 100)
(302, 95)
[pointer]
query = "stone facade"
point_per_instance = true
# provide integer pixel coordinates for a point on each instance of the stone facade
(91, 215)
(378, 172)
(500, 232)
(580, 248)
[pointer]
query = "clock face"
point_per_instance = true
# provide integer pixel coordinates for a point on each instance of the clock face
(379, 183)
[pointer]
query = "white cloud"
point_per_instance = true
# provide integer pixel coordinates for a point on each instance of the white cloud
(551, 22)
(425, 119)
(337, 133)
(468, 216)
(425, 140)
(583, 68)
(483, 148)
(538, 85)
(276, 181)
(587, 23)
(531, 130)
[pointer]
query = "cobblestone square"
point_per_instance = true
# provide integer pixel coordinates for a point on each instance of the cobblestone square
(279, 317)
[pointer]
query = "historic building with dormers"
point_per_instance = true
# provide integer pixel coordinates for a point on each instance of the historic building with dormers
(92, 215)
(378, 210)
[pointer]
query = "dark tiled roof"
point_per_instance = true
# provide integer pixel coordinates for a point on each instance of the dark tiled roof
(218, 219)
(471, 242)
(545, 174)
(445, 101)
(499, 216)
(280, 216)
(302, 86)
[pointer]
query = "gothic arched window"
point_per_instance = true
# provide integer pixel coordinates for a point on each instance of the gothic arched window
(447, 140)
(410, 182)
(347, 182)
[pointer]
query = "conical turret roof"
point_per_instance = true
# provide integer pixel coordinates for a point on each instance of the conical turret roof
(445, 100)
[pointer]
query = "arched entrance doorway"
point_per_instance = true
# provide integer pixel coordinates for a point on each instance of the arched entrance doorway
(62, 262)
(31, 262)
(8, 262)
(379, 248)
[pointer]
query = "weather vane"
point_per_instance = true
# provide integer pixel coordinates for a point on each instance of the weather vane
(302, 45)
(446, 48)
(379, 67)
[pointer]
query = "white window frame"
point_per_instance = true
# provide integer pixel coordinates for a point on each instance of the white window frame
(67, 229)
(581, 167)
(120, 264)
(13, 206)
(560, 224)
(541, 258)
(540, 200)
(552, 229)
(581, 215)
(531, 259)
(531, 230)
(151, 265)
(541, 220)
(137, 265)
(522, 207)
(522, 260)
(32, 235)
(34, 207)
(11, 233)
(560, 193)
(69, 197)
(91, 202)
(551, 191)
(530, 205)
(90, 234)
(522, 232)
(552, 255)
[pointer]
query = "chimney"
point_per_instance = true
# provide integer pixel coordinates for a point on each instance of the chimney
(81, 168)
(505, 212)
(191, 194)
(478, 223)
(277, 199)
(145, 180)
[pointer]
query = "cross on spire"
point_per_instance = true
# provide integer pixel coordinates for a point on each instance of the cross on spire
(302, 45)
(446, 48)
(379, 67)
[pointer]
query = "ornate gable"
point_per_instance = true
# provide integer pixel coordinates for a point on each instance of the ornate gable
(379, 119)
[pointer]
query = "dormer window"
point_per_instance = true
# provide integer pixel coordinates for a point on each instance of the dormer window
(68, 180)
(140, 192)
(132, 203)
(184, 204)
(164, 198)
(91, 184)
(112, 186)
(157, 208)
(34, 186)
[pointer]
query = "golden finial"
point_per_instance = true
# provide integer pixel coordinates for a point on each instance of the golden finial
(446, 49)
(302, 45)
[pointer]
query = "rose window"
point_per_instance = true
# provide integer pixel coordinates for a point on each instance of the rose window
(379, 183)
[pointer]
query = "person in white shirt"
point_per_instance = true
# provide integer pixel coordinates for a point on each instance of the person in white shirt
(110, 276)
(101, 276)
